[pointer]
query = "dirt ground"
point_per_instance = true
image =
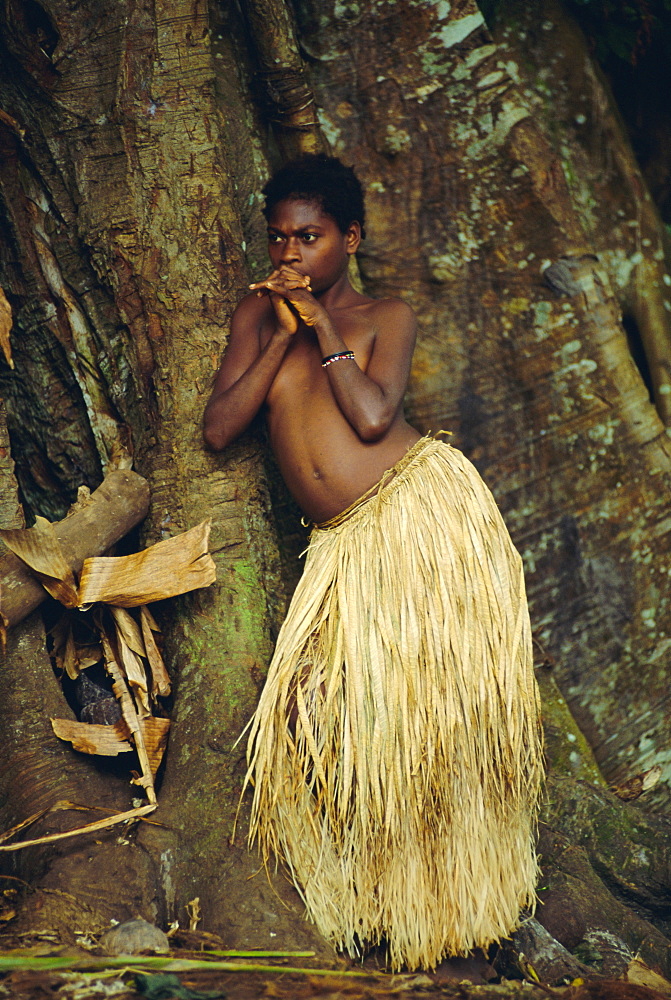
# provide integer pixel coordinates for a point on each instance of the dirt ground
(25, 974)
(27, 985)
(38, 966)
(125, 985)
(139, 982)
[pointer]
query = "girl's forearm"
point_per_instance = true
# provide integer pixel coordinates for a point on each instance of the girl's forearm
(361, 401)
(232, 410)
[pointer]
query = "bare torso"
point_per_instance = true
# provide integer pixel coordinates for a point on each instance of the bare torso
(334, 430)
(325, 464)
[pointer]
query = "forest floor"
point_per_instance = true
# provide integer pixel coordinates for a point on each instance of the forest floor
(43, 972)
(31, 985)
(33, 967)
(38, 965)
(119, 984)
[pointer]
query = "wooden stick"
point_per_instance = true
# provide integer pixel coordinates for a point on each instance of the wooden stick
(100, 824)
(118, 504)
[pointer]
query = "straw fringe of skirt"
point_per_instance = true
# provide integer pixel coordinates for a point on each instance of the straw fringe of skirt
(396, 752)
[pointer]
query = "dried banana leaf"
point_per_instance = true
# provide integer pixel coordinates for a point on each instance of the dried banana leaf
(128, 630)
(155, 732)
(159, 675)
(118, 504)
(71, 658)
(89, 655)
(108, 741)
(65, 651)
(131, 716)
(39, 548)
(174, 566)
(131, 650)
(638, 972)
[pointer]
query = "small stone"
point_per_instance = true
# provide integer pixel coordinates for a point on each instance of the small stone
(134, 937)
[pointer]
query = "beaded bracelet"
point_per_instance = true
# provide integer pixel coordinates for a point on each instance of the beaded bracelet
(341, 356)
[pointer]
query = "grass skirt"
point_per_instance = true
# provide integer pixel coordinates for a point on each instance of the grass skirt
(396, 752)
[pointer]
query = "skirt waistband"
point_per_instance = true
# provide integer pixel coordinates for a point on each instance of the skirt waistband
(385, 480)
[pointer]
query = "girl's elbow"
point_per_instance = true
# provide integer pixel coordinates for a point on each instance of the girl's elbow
(214, 436)
(372, 429)
(210, 440)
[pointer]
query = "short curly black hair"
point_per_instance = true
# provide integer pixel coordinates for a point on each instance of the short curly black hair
(321, 179)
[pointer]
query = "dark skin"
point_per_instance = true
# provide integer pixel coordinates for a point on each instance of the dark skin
(334, 430)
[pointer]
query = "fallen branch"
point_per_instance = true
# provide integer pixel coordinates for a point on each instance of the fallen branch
(118, 504)
(101, 824)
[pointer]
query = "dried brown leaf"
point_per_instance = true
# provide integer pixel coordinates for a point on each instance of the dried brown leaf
(149, 619)
(155, 732)
(642, 782)
(88, 656)
(174, 566)
(639, 973)
(5, 328)
(136, 675)
(38, 547)
(131, 662)
(120, 687)
(59, 638)
(194, 911)
(128, 629)
(70, 657)
(107, 741)
(129, 713)
(159, 675)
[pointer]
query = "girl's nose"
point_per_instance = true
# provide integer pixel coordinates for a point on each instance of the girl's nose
(292, 251)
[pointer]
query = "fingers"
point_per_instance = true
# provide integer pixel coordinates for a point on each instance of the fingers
(290, 273)
(277, 281)
(290, 290)
(281, 280)
(287, 315)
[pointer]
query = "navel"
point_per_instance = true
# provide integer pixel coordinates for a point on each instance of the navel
(317, 474)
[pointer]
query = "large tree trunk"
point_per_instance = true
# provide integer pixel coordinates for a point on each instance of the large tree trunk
(124, 259)
(134, 152)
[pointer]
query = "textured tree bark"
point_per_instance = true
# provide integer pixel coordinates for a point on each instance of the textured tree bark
(286, 88)
(606, 184)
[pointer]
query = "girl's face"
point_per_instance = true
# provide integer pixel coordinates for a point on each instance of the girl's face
(302, 237)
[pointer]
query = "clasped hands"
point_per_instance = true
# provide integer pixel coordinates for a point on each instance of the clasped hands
(291, 295)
